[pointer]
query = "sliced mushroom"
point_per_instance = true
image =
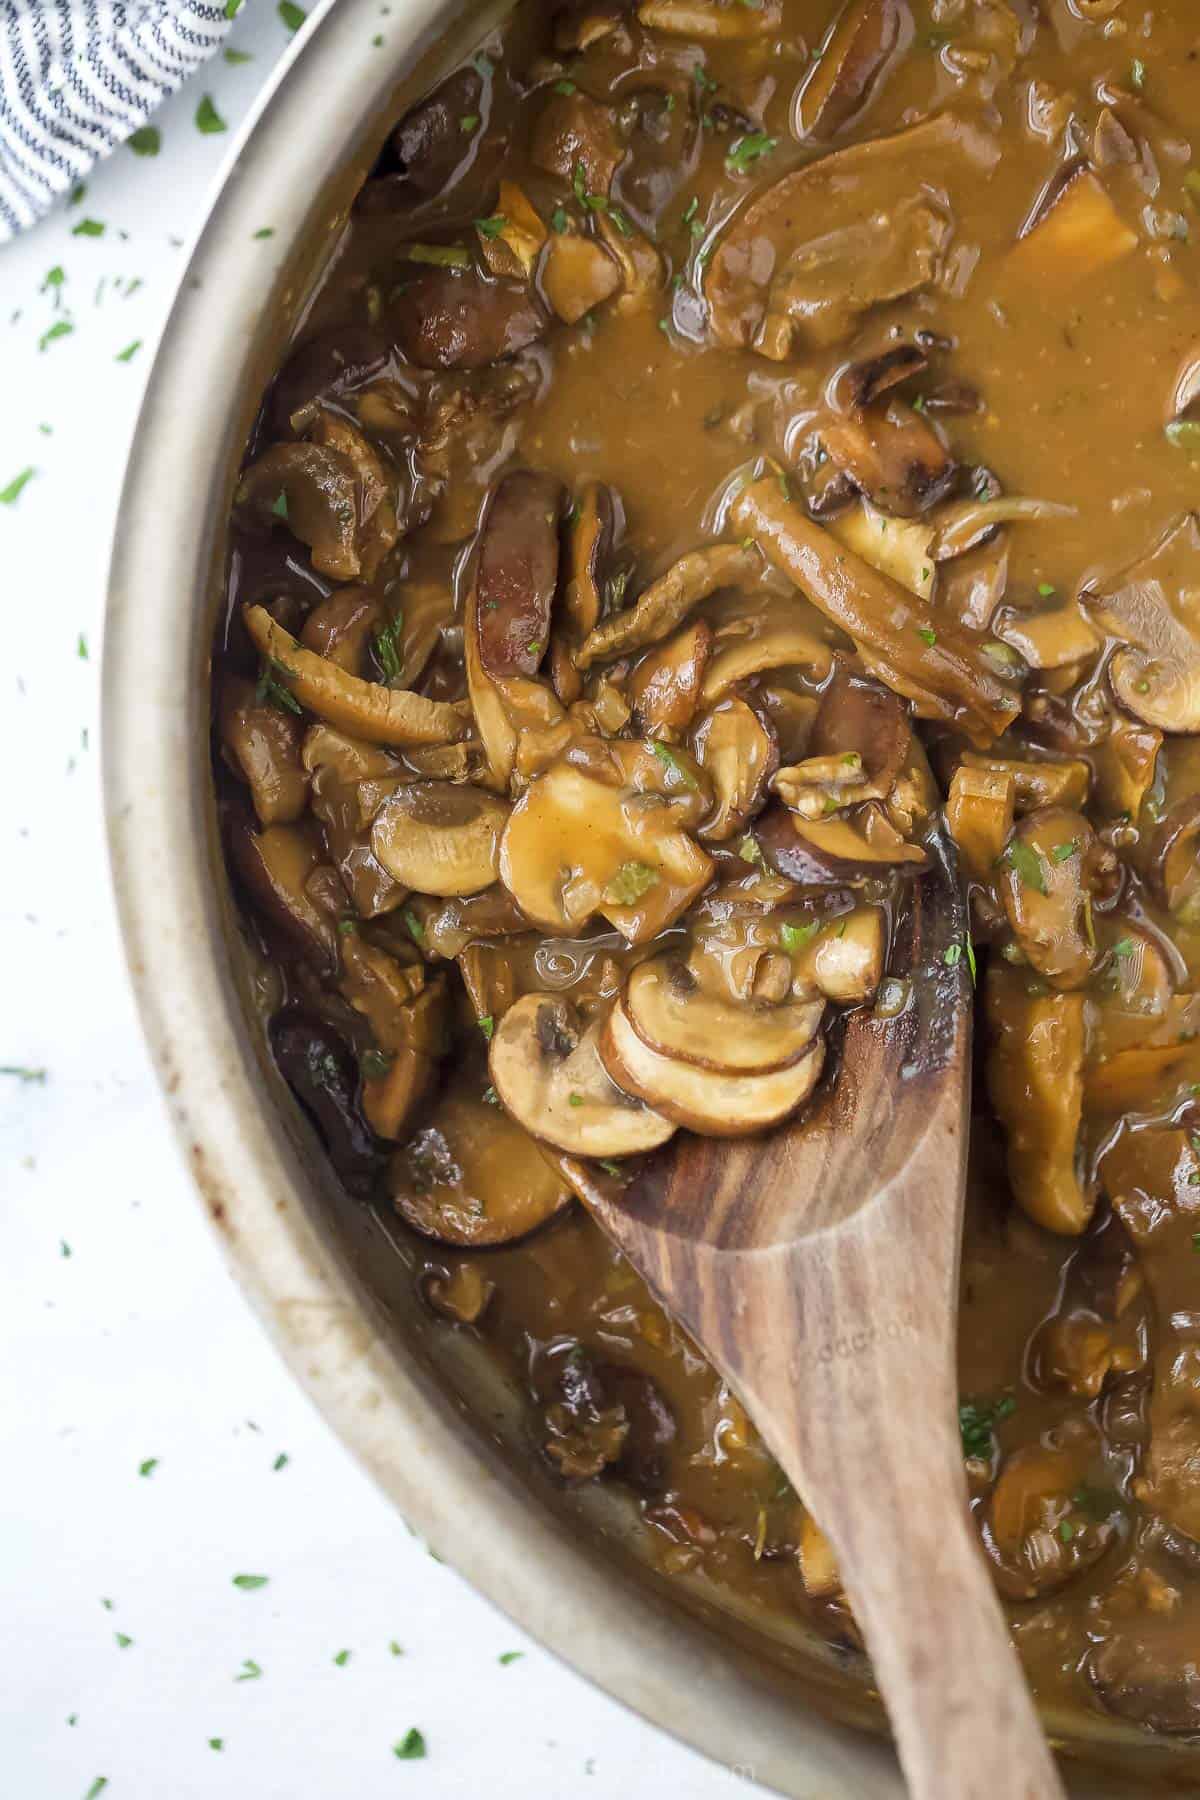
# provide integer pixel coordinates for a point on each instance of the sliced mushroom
(341, 627)
(1156, 674)
(1038, 1536)
(440, 837)
(642, 270)
(770, 633)
(664, 688)
(896, 459)
(472, 1177)
(576, 845)
(979, 817)
(680, 1006)
(851, 66)
(345, 813)
(667, 601)
(897, 547)
(284, 868)
(1174, 851)
(572, 132)
(361, 709)
(863, 719)
(587, 22)
(1035, 1080)
(1125, 765)
(577, 275)
(1074, 234)
(377, 526)
(968, 524)
(1052, 865)
(462, 1293)
(351, 759)
(838, 236)
(737, 750)
(842, 957)
(331, 366)
(511, 241)
(459, 318)
(1149, 1672)
(711, 1102)
(429, 142)
(546, 1070)
(1058, 781)
(927, 658)
(448, 928)
(716, 21)
(262, 742)
(517, 573)
(315, 491)
(319, 1068)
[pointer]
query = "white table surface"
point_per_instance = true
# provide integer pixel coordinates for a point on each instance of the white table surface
(124, 1339)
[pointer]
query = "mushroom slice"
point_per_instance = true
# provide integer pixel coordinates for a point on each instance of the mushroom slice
(664, 688)
(1125, 765)
(376, 524)
(737, 750)
(708, 1101)
(362, 709)
(472, 1177)
(643, 273)
(864, 720)
(778, 639)
(284, 868)
(1037, 1534)
(1149, 1673)
(851, 66)
(448, 928)
(979, 817)
(340, 627)
(345, 809)
(1175, 859)
(842, 957)
(1061, 781)
(834, 852)
(1050, 866)
(574, 132)
(714, 21)
(1149, 609)
(895, 457)
(262, 742)
(593, 527)
(517, 573)
(440, 837)
(819, 248)
(512, 240)
(1075, 232)
(458, 318)
(314, 492)
(900, 548)
(1035, 1080)
(667, 601)
(416, 1035)
(928, 658)
(545, 1067)
(575, 845)
(970, 523)
(682, 1009)
(577, 275)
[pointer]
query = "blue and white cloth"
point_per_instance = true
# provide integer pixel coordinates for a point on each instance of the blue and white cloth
(78, 77)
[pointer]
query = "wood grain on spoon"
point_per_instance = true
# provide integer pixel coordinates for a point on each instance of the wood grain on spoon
(817, 1267)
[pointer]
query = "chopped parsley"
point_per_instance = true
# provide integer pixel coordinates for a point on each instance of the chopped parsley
(508, 1657)
(747, 151)
(469, 122)
(387, 648)
(1062, 853)
(147, 141)
(493, 227)
(750, 851)
(412, 1747)
(341, 1659)
(952, 955)
(292, 15)
(88, 228)
(208, 119)
(251, 1671)
(977, 1422)
(1066, 1530)
(559, 220)
(279, 506)
(1123, 947)
(61, 328)
(1026, 862)
(374, 1063)
(270, 690)
(234, 57)
(10, 494)
(81, 647)
(575, 1099)
(281, 1461)
(671, 761)
(415, 927)
(565, 87)
(248, 1583)
(487, 1024)
(123, 1640)
(148, 1467)
(129, 352)
(395, 1648)
(630, 883)
(794, 937)
(611, 1168)
(264, 231)
(97, 1788)
(926, 633)
(1046, 589)
(216, 1743)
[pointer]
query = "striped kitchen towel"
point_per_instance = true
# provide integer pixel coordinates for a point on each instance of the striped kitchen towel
(77, 77)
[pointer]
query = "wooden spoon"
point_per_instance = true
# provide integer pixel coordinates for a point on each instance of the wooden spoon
(817, 1267)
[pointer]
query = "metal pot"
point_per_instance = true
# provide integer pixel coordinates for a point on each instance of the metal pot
(333, 1291)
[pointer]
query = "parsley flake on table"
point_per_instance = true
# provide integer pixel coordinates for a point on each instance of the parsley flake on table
(293, 16)
(88, 228)
(411, 1747)
(123, 1639)
(61, 328)
(216, 1743)
(147, 141)
(208, 119)
(341, 1659)
(509, 1656)
(248, 1583)
(395, 1648)
(235, 57)
(129, 352)
(264, 231)
(148, 1467)
(281, 1461)
(251, 1671)
(81, 647)
(232, 8)
(97, 1788)
(10, 494)
(64, 1249)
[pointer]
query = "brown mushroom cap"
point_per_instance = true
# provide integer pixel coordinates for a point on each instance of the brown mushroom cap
(708, 1101)
(834, 852)
(262, 741)
(678, 1006)
(1051, 864)
(517, 573)
(440, 837)
(546, 1069)
(459, 318)
(1037, 1536)
(472, 1177)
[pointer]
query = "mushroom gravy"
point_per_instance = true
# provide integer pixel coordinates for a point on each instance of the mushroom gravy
(733, 440)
